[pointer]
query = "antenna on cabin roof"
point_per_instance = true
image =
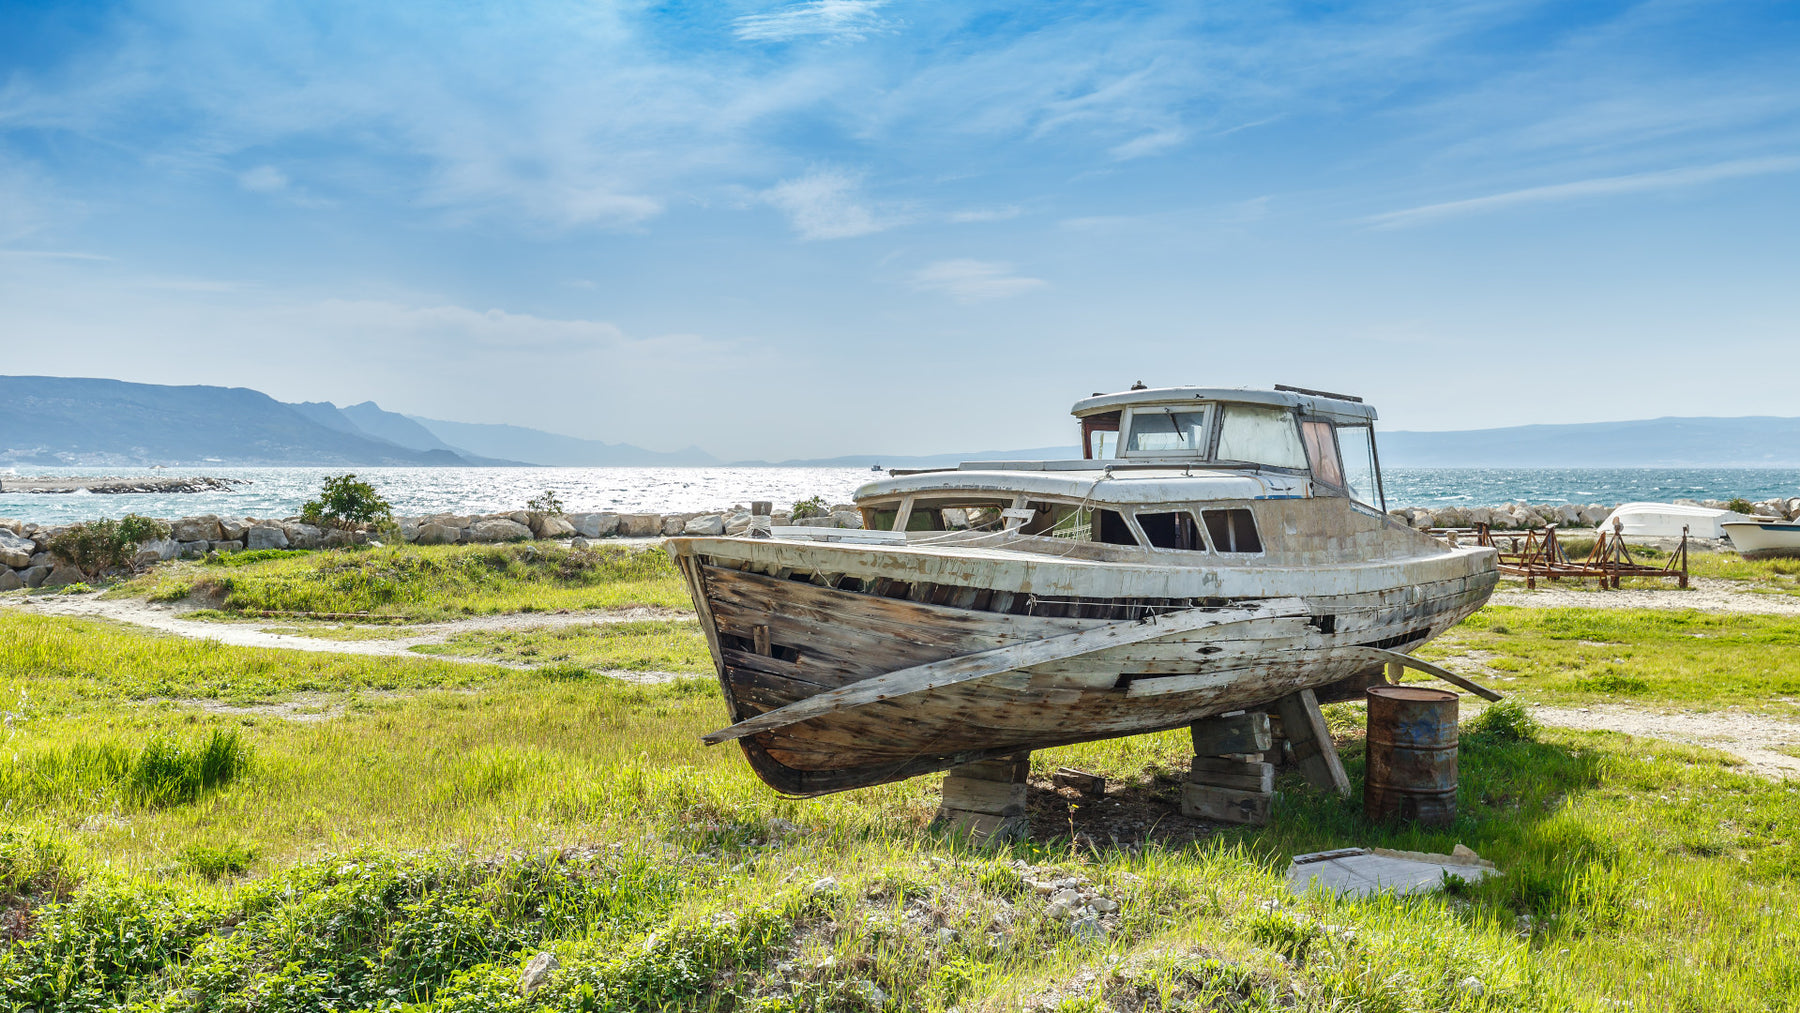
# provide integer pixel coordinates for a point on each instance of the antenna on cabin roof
(1139, 386)
(1318, 393)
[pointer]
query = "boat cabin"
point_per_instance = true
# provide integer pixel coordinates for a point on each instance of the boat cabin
(1170, 468)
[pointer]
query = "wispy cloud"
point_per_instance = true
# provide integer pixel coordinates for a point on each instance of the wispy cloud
(828, 204)
(1605, 186)
(263, 179)
(974, 280)
(51, 255)
(849, 20)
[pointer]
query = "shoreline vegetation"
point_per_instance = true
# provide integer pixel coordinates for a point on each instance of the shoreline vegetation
(493, 823)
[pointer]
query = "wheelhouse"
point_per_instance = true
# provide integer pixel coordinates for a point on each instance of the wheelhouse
(1173, 468)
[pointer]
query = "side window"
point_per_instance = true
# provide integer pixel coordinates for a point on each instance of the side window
(1358, 445)
(1165, 431)
(1259, 435)
(1232, 530)
(1100, 436)
(1112, 529)
(1322, 454)
(1175, 530)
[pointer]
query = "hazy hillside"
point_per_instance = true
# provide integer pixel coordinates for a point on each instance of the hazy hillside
(65, 420)
(1758, 441)
(552, 449)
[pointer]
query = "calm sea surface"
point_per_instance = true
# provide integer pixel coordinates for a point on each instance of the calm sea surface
(278, 492)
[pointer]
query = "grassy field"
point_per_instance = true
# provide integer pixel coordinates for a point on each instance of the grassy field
(421, 582)
(1646, 657)
(656, 645)
(171, 838)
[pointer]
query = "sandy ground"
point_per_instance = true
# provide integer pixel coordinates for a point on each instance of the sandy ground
(1706, 594)
(172, 619)
(1751, 737)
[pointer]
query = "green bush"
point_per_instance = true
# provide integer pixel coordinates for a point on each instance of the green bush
(1506, 721)
(815, 507)
(1740, 505)
(170, 772)
(105, 544)
(346, 503)
(548, 505)
(217, 861)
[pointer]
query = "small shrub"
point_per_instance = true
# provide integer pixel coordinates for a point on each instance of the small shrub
(105, 544)
(1506, 721)
(174, 590)
(1284, 933)
(1740, 505)
(79, 587)
(168, 772)
(217, 861)
(548, 504)
(814, 507)
(345, 503)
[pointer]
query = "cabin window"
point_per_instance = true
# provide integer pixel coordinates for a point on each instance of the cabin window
(1232, 530)
(1258, 435)
(1058, 521)
(1112, 529)
(1322, 454)
(1174, 530)
(1156, 431)
(1100, 436)
(1360, 476)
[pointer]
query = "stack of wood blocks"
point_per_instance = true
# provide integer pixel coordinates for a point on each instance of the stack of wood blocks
(1228, 780)
(986, 800)
(1232, 780)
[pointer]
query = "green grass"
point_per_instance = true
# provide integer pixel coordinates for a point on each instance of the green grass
(422, 582)
(417, 851)
(1645, 657)
(657, 645)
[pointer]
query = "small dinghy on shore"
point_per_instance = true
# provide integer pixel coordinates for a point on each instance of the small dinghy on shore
(1763, 539)
(1214, 550)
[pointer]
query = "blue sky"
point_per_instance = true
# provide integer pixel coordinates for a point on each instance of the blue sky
(878, 225)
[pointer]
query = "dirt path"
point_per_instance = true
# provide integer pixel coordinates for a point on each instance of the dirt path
(1707, 594)
(1752, 737)
(172, 619)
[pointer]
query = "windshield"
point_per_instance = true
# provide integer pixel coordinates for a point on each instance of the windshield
(1260, 435)
(1166, 431)
(1357, 443)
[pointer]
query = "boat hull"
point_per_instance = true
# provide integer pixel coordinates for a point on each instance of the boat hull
(788, 620)
(1763, 539)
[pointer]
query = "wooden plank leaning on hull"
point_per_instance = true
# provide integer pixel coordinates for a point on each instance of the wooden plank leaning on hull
(949, 672)
(1408, 661)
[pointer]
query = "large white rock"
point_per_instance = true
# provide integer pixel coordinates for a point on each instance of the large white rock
(301, 535)
(737, 523)
(34, 577)
(500, 529)
(233, 530)
(409, 528)
(551, 526)
(432, 533)
(10, 579)
(266, 536)
(851, 518)
(597, 525)
(204, 528)
(194, 550)
(673, 523)
(63, 576)
(16, 551)
(705, 524)
(640, 525)
(165, 548)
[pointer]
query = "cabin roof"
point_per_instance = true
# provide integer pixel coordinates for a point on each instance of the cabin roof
(1096, 485)
(1335, 409)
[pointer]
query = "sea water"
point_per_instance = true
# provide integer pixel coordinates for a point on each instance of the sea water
(279, 492)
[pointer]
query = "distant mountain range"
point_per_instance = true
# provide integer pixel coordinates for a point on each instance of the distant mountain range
(47, 420)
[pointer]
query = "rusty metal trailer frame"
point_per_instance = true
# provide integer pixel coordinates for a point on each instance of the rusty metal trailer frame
(1535, 554)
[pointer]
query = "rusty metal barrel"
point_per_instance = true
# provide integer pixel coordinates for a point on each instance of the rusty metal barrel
(1412, 755)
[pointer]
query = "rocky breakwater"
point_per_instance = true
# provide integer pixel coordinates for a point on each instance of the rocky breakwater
(1522, 516)
(115, 486)
(26, 559)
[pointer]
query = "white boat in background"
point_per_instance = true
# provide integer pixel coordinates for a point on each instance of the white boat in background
(1757, 538)
(1668, 520)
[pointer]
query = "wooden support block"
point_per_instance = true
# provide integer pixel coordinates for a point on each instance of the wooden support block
(1240, 733)
(1080, 780)
(1220, 773)
(1314, 752)
(1225, 805)
(998, 798)
(981, 828)
(1009, 769)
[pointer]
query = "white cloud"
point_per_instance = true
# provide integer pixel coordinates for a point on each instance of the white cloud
(263, 179)
(827, 204)
(1154, 143)
(1606, 186)
(999, 214)
(973, 280)
(850, 20)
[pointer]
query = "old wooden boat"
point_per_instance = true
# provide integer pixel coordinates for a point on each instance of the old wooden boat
(1213, 550)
